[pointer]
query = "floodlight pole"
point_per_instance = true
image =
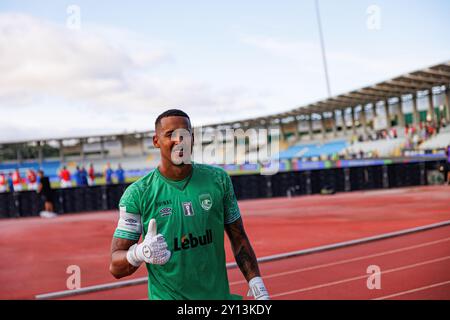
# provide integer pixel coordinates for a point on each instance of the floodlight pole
(322, 45)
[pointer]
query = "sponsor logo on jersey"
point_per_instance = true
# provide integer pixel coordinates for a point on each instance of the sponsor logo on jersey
(187, 209)
(163, 203)
(189, 241)
(167, 211)
(130, 222)
(205, 201)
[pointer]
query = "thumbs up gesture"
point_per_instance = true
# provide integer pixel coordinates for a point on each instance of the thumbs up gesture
(152, 250)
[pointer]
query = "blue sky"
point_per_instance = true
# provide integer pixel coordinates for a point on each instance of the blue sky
(219, 61)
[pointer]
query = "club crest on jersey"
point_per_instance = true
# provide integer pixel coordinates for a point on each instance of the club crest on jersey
(205, 201)
(187, 209)
(165, 212)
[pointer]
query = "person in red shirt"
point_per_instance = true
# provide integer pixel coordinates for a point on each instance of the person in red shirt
(3, 182)
(32, 179)
(17, 180)
(393, 133)
(91, 175)
(407, 130)
(65, 178)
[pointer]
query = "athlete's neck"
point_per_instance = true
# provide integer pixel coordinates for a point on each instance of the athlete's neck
(174, 172)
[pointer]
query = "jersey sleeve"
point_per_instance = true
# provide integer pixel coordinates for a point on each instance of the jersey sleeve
(231, 208)
(130, 224)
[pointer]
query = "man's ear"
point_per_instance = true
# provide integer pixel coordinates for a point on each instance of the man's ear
(155, 141)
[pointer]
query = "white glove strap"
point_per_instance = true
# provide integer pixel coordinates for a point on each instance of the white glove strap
(132, 257)
(257, 289)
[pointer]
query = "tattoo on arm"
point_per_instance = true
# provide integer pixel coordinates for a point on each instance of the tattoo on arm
(242, 249)
(119, 266)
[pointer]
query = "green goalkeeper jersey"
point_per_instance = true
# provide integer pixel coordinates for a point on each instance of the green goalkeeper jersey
(191, 215)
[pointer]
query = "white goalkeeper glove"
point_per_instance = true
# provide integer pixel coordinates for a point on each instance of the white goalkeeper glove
(257, 289)
(152, 250)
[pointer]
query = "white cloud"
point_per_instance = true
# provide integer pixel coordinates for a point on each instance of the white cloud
(301, 53)
(50, 73)
(57, 82)
(348, 69)
(39, 58)
(295, 50)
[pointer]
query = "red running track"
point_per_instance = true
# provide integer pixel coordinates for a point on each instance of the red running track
(414, 266)
(35, 253)
(411, 262)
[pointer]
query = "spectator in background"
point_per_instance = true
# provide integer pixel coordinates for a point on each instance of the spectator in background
(32, 179)
(46, 193)
(17, 180)
(65, 178)
(3, 182)
(91, 175)
(394, 133)
(77, 176)
(431, 130)
(423, 132)
(10, 182)
(120, 173)
(108, 174)
(84, 177)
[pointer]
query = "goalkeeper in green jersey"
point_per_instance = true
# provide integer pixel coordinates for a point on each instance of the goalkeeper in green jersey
(182, 209)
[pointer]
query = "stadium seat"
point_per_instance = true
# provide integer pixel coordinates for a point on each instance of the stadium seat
(383, 148)
(441, 140)
(312, 150)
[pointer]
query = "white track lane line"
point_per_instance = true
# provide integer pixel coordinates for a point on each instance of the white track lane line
(329, 284)
(413, 290)
(399, 293)
(143, 280)
(280, 274)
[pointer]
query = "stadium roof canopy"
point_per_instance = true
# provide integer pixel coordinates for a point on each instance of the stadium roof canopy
(421, 80)
(411, 83)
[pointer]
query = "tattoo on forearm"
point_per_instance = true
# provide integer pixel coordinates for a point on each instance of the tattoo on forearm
(119, 248)
(243, 252)
(246, 260)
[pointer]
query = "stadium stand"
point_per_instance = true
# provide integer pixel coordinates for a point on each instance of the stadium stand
(356, 124)
(391, 134)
